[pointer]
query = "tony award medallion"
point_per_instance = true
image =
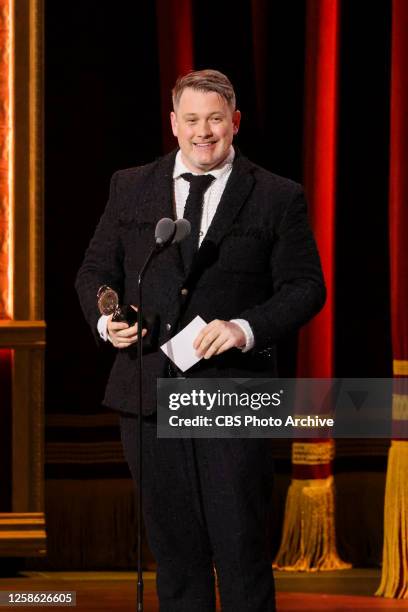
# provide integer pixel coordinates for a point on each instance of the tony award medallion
(108, 304)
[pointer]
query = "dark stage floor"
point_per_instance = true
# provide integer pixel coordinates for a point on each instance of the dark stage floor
(349, 590)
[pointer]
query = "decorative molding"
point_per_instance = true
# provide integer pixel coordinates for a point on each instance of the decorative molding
(22, 534)
(27, 431)
(36, 159)
(22, 334)
(105, 419)
(84, 452)
(37, 429)
(6, 138)
(22, 531)
(28, 289)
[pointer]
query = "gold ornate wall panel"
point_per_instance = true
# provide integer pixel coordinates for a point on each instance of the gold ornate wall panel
(22, 328)
(5, 155)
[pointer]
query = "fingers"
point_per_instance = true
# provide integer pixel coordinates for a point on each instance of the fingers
(117, 327)
(221, 344)
(122, 343)
(126, 332)
(208, 329)
(123, 336)
(218, 337)
(228, 344)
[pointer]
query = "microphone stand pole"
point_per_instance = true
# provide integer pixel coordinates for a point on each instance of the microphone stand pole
(139, 481)
(166, 231)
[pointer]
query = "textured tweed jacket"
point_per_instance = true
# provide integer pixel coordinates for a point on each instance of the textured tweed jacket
(258, 262)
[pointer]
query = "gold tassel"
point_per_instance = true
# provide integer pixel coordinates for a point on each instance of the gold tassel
(308, 540)
(394, 578)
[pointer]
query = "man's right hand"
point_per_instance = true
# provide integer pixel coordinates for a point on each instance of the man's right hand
(121, 335)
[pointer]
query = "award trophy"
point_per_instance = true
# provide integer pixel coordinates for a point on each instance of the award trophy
(108, 304)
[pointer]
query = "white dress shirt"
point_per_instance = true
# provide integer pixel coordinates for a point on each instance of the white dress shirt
(212, 198)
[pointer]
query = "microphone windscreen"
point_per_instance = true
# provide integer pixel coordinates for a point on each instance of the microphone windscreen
(183, 228)
(165, 230)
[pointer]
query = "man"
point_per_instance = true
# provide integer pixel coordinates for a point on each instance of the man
(251, 270)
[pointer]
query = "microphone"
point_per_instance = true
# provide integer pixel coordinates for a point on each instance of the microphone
(169, 232)
(164, 232)
(183, 228)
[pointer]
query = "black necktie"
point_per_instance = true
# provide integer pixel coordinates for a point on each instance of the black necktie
(193, 211)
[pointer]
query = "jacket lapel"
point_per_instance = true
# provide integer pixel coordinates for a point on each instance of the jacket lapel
(236, 192)
(160, 196)
(160, 199)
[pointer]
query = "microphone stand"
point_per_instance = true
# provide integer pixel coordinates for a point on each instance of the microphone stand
(139, 483)
(169, 235)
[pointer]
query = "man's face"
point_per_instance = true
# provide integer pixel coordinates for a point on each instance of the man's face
(204, 126)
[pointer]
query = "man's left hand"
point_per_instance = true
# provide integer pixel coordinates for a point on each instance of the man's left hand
(218, 337)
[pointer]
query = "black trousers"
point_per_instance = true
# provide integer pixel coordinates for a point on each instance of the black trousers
(205, 504)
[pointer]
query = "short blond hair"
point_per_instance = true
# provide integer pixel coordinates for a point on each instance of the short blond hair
(205, 80)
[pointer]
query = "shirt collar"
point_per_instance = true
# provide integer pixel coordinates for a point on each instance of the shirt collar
(181, 168)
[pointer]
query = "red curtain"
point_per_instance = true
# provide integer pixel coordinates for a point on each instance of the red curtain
(260, 37)
(398, 212)
(394, 582)
(316, 343)
(175, 44)
(308, 540)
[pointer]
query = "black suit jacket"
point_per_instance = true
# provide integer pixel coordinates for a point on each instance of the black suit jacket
(258, 262)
